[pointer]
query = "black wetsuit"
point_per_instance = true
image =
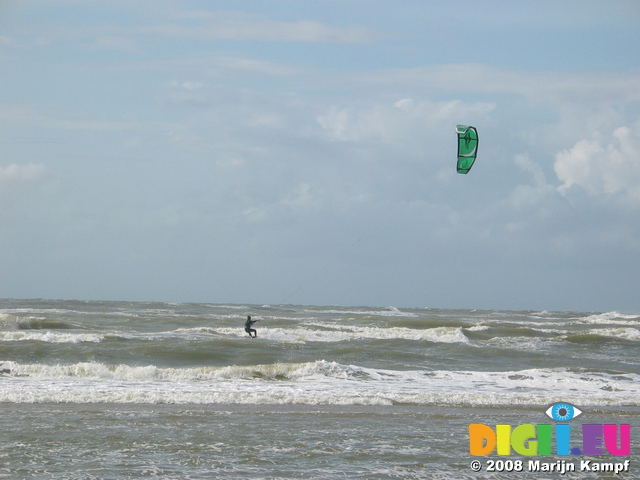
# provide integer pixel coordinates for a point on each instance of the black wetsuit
(248, 329)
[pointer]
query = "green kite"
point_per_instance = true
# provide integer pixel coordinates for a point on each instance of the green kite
(467, 147)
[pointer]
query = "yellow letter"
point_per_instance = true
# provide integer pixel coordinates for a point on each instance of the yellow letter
(503, 432)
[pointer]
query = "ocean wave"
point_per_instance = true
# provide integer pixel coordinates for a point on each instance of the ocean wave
(366, 312)
(324, 376)
(529, 344)
(479, 328)
(49, 337)
(329, 332)
(604, 334)
(89, 395)
(278, 371)
(35, 311)
(611, 318)
(313, 383)
(41, 323)
(313, 332)
(335, 332)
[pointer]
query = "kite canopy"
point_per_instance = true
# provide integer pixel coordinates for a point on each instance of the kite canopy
(467, 147)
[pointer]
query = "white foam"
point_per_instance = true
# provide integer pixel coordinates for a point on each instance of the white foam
(8, 321)
(632, 334)
(611, 318)
(334, 333)
(319, 382)
(479, 328)
(49, 337)
(378, 312)
(530, 344)
(277, 371)
(331, 332)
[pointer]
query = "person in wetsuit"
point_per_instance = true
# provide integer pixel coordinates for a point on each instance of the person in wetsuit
(248, 329)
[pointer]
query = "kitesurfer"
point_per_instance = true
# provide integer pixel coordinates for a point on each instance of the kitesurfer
(248, 329)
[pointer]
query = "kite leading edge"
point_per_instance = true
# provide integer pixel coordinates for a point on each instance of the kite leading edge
(467, 147)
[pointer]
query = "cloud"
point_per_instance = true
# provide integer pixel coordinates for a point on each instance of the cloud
(545, 86)
(302, 197)
(15, 173)
(24, 193)
(54, 117)
(262, 30)
(116, 43)
(604, 164)
(534, 193)
(392, 122)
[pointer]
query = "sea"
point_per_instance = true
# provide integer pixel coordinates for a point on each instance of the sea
(120, 390)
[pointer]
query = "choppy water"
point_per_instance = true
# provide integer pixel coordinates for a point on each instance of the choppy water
(129, 390)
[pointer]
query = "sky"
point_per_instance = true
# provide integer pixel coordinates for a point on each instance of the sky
(288, 152)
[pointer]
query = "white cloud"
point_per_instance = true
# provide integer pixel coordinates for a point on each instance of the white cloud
(301, 196)
(35, 115)
(117, 43)
(24, 193)
(262, 30)
(525, 163)
(336, 122)
(534, 193)
(15, 173)
(404, 119)
(538, 86)
(603, 165)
